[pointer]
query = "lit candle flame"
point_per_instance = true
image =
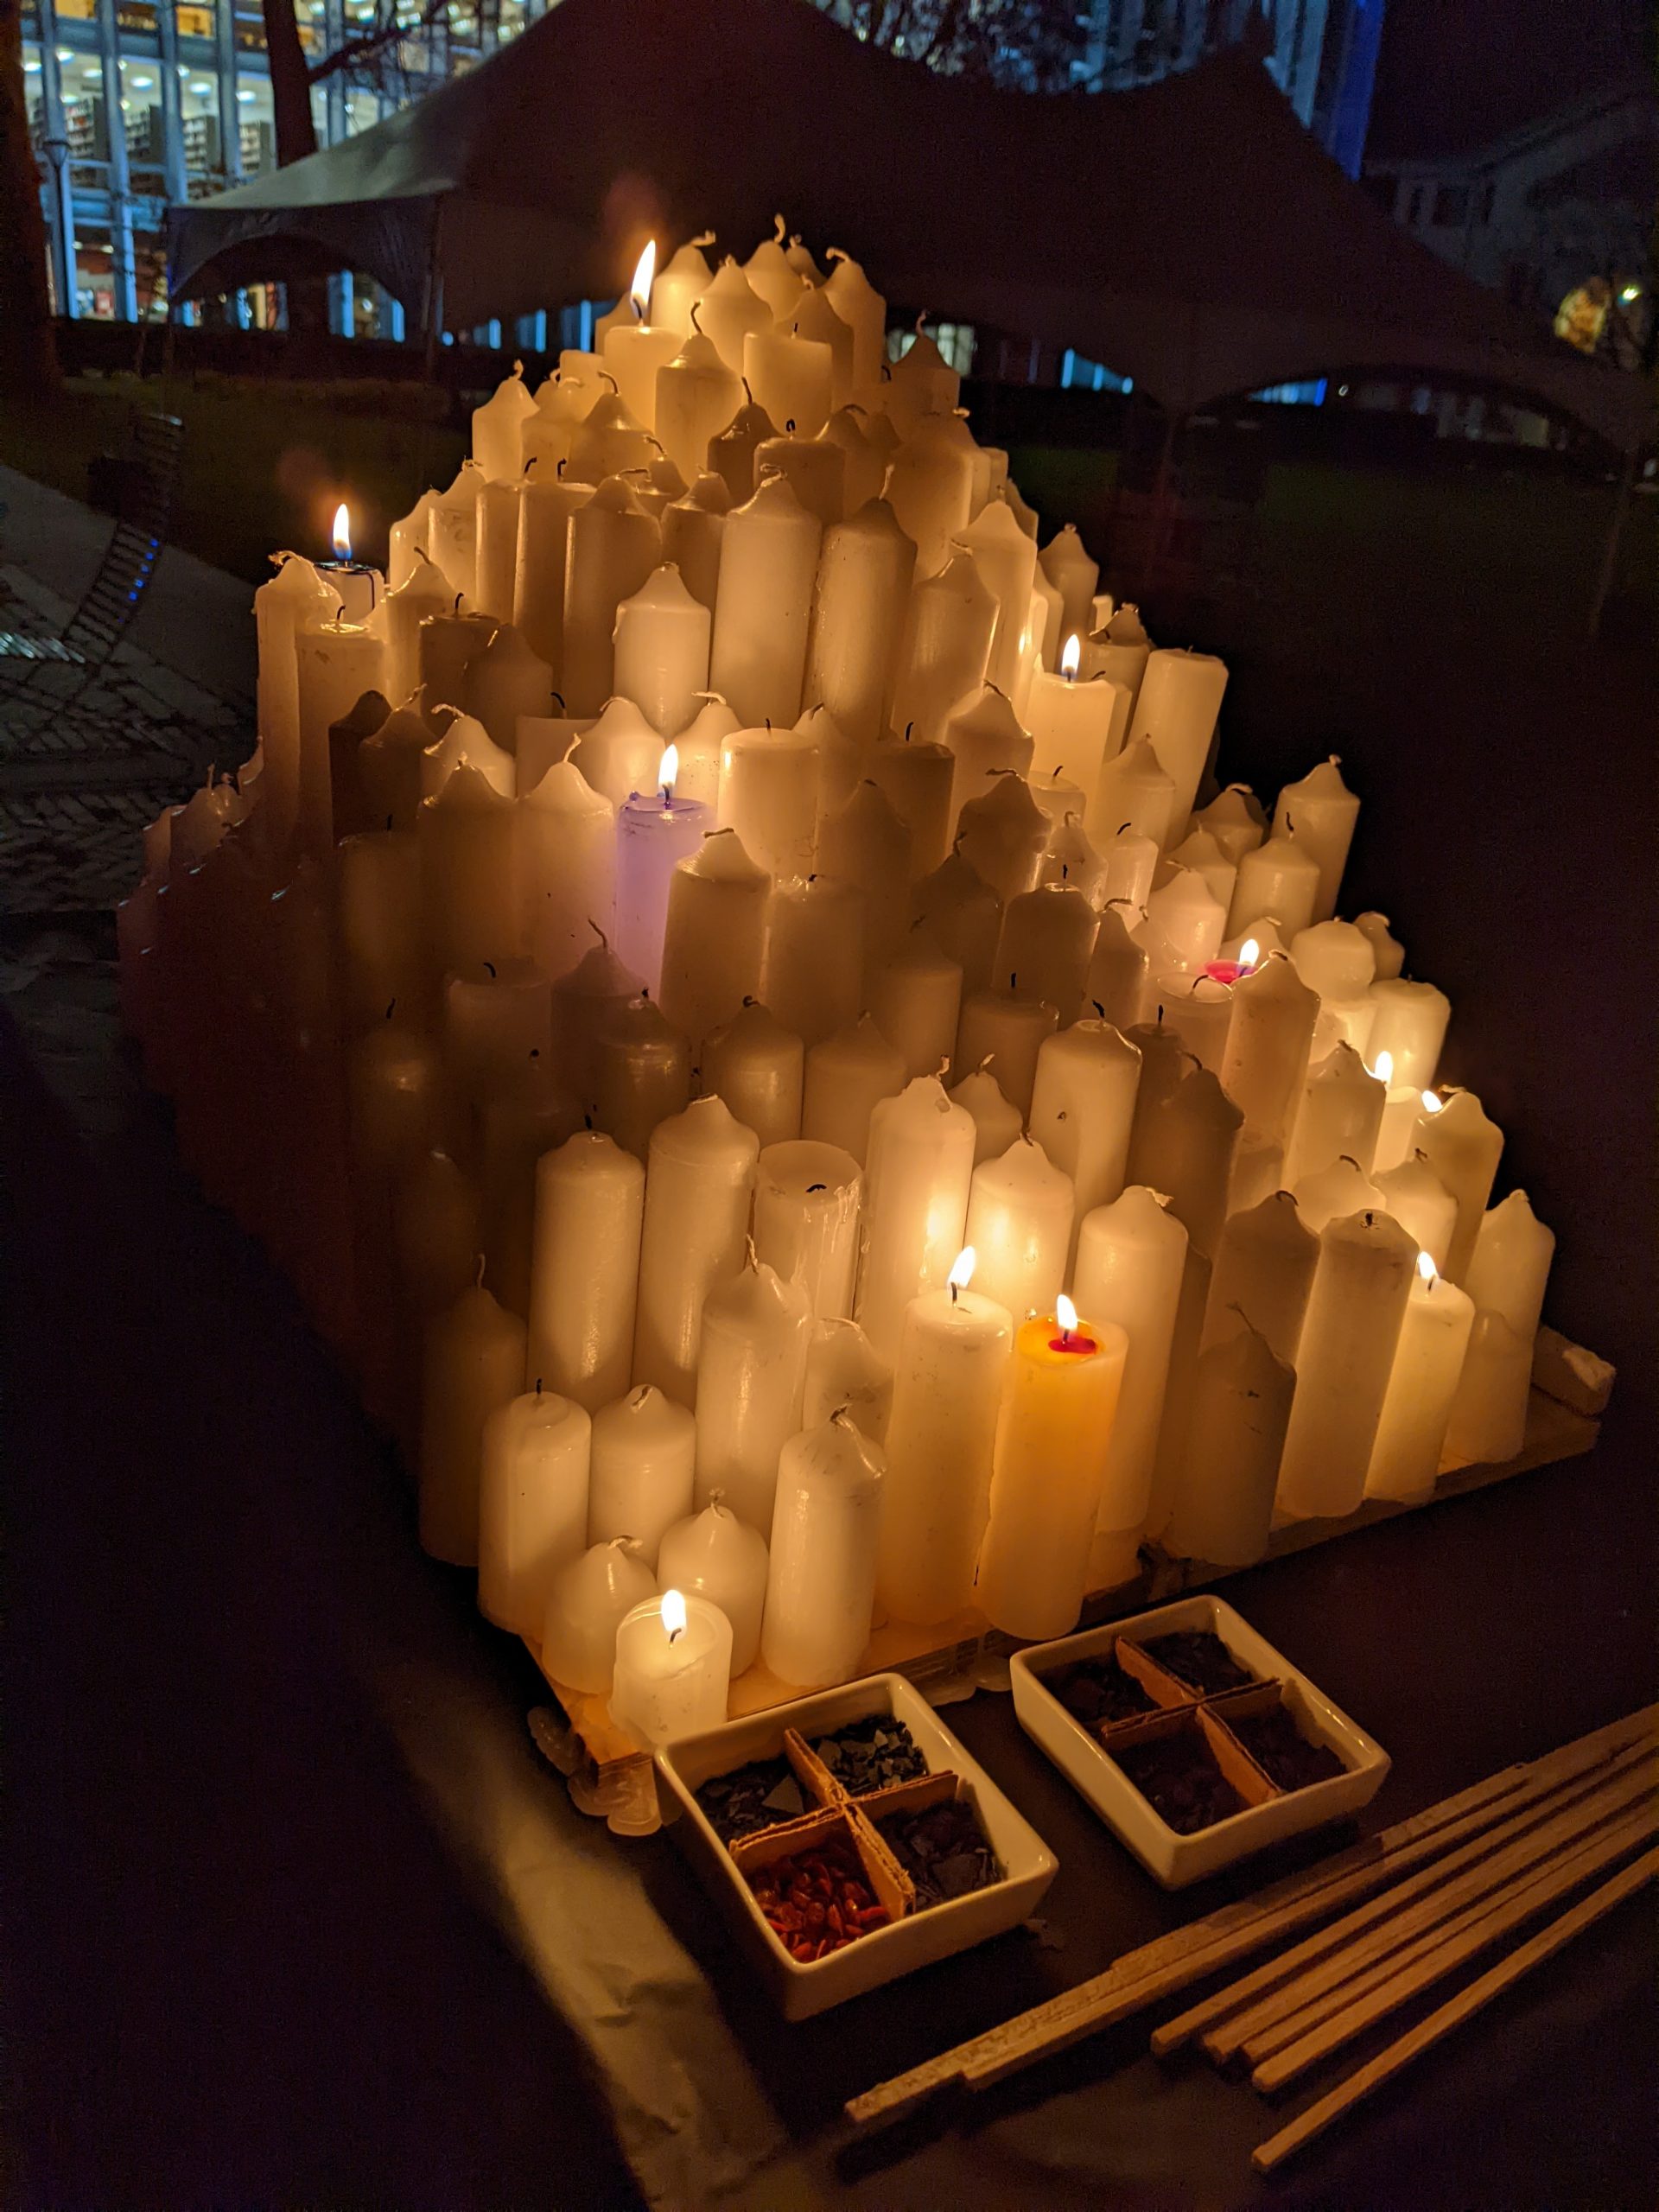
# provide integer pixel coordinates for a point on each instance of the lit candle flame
(1426, 1269)
(1071, 657)
(962, 1272)
(673, 1614)
(1431, 1104)
(1248, 953)
(1383, 1067)
(342, 532)
(644, 272)
(1066, 1315)
(669, 769)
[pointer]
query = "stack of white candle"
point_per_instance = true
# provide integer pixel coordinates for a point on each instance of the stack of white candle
(729, 870)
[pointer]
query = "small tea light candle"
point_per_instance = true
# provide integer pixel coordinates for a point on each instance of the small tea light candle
(673, 1667)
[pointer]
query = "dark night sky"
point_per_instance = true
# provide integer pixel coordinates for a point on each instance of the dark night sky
(1453, 73)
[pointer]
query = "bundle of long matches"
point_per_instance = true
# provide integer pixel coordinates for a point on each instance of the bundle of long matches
(1489, 1857)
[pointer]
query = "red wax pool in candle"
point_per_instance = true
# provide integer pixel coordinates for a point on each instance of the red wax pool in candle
(1073, 1341)
(1226, 971)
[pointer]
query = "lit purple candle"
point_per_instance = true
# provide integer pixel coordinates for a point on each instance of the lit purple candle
(654, 831)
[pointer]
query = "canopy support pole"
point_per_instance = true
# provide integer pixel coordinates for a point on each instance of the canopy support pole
(1615, 539)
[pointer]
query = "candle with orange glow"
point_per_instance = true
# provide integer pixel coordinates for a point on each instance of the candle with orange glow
(654, 831)
(633, 348)
(1075, 728)
(1053, 1433)
(361, 588)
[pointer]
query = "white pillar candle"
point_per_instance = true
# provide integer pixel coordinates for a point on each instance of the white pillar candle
(545, 506)
(1054, 1431)
(613, 546)
(498, 426)
(997, 1121)
(642, 1074)
(1076, 727)
(1198, 1009)
(920, 384)
(915, 1001)
(1131, 864)
(768, 564)
(1263, 1275)
(1048, 939)
(965, 916)
(1340, 1189)
(1006, 561)
(812, 316)
(1462, 1146)
(1241, 1397)
(610, 441)
(953, 1354)
(452, 529)
(1279, 879)
(946, 650)
(1341, 1112)
(1186, 1150)
(424, 592)
(1083, 1109)
(731, 456)
(986, 739)
(715, 1555)
(1131, 1256)
(751, 1375)
(1335, 959)
(590, 1197)
(532, 1506)
(435, 1235)
(848, 1076)
(1355, 1311)
(1021, 1210)
(917, 780)
(495, 1015)
(336, 663)
(840, 761)
(1422, 1206)
(583, 999)
(1389, 953)
(814, 469)
(1264, 1065)
(1049, 634)
(1510, 1265)
(1183, 923)
(863, 310)
(864, 464)
(699, 747)
(769, 795)
(408, 541)
(679, 284)
(1488, 1424)
(673, 1667)
(1171, 1455)
(929, 488)
(508, 679)
(1320, 811)
(728, 310)
(693, 528)
(469, 890)
(654, 831)
(696, 396)
(919, 1171)
(1235, 820)
(865, 844)
(465, 738)
(714, 936)
(498, 549)
(1135, 792)
(1423, 1383)
(698, 1182)
(643, 1469)
(393, 1102)
(618, 753)
(1408, 1023)
(1176, 707)
(589, 1600)
(1074, 576)
(379, 918)
(473, 1361)
(1200, 851)
(661, 651)
(636, 355)
(1002, 836)
(1003, 1032)
(792, 378)
(1117, 971)
(821, 1579)
(525, 1118)
(807, 1207)
(1071, 859)
(1402, 1105)
(859, 608)
(1120, 651)
(757, 1067)
(844, 1373)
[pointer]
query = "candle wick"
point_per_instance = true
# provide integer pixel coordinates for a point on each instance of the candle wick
(478, 1274)
(909, 728)
(1098, 1007)
(490, 964)
(389, 1004)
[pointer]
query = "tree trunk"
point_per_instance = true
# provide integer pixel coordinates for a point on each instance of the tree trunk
(296, 136)
(28, 355)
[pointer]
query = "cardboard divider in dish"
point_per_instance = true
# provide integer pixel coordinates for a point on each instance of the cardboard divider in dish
(843, 1822)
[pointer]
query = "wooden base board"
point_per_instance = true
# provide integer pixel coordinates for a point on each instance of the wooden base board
(952, 1648)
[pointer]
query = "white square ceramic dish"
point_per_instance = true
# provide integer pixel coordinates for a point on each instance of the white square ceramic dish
(1176, 1859)
(886, 1953)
